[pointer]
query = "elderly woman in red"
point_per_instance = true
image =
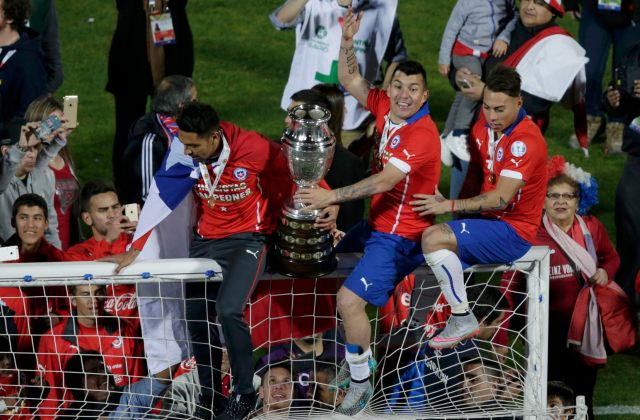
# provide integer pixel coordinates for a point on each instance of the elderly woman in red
(581, 255)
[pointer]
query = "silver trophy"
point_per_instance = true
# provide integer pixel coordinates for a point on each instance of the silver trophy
(308, 144)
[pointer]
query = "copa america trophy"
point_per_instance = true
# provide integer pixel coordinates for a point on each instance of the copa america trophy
(308, 144)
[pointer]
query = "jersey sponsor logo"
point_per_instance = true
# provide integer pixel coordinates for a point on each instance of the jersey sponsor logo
(124, 302)
(117, 343)
(518, 149)
(500, 154)
(394, 142)
(240, 174)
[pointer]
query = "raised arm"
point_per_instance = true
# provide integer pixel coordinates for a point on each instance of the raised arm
(348, 69)
(288, 13)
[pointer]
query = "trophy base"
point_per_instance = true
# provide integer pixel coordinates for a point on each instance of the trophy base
(300, 249)
(294, 268)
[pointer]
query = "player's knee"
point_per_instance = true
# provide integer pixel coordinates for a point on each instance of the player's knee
(433, 239)
(226, 312)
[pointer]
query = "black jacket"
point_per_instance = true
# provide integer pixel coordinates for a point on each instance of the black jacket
(146, 146)
(346, 169)
(630, 11)
(22, 76)
(629, 105)
(129, 71)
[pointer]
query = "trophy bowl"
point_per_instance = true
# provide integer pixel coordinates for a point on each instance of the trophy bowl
(308, 144)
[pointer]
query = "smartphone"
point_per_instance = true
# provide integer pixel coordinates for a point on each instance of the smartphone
(9, 253)
(463, 83)
(47, 127)
(70, 111)
(131, 211)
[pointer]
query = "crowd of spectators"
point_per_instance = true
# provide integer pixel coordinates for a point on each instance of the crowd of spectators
(84, 351)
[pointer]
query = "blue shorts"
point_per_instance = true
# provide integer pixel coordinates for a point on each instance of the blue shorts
(487, 241)
(387, 259)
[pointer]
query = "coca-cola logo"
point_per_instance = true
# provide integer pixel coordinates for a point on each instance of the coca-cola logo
(188, 364)
(124, 302)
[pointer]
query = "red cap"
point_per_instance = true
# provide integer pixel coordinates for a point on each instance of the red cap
(556, 5)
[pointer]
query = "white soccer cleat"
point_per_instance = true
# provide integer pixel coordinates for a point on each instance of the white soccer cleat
(445, 154)
(356, 398)
(458, 146)
(458, 328)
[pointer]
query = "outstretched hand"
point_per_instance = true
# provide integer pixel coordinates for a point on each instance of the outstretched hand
(314, 198)
(427, 205)
(351, 24)
(123, 260)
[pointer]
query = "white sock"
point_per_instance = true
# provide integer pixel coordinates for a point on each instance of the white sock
(359, 365)
(448, 270)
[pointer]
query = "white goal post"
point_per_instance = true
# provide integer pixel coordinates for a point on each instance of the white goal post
(532, 347)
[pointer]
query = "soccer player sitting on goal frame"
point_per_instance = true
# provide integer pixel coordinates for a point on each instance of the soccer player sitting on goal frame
(513, 154)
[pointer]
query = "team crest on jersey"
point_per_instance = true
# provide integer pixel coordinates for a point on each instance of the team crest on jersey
(518, 149)
(117, 343)
(500, 154)
(395, 142)
(240, 174)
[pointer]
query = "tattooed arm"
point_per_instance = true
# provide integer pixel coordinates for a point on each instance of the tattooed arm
(318, 198)
(348, 69)
(497, 199)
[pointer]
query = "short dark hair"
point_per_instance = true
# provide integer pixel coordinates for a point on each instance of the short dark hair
(284, 364)
(16, 10)
(561, 390)
(91, 189)
(29, 200)
(489, 303)
(335, 98)
(311, 97)
(171, 94)
(410, 68)
(198, 117)
(505, 80)
(565, 179)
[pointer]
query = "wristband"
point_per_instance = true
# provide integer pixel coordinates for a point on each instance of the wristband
(453, 206)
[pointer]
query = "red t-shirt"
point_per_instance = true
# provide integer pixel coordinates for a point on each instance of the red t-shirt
(121, 298)
(241, 201)
(414, 148)
(520, 153)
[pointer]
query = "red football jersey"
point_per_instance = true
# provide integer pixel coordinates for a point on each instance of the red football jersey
(520, 153)
(241, 200)
(414, 148)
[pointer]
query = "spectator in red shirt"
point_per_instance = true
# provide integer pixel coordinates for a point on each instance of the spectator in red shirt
(112, 232)
(87, 329)
(29, 305)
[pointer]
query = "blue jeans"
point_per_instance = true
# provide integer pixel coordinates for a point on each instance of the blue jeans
(596, 38)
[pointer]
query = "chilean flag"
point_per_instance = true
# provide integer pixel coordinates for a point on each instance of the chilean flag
(168, 214)
(165, 231)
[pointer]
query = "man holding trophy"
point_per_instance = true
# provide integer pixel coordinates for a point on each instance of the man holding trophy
(407, 161)
(238, 180)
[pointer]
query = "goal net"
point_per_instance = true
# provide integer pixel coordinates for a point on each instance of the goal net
(80, 342)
